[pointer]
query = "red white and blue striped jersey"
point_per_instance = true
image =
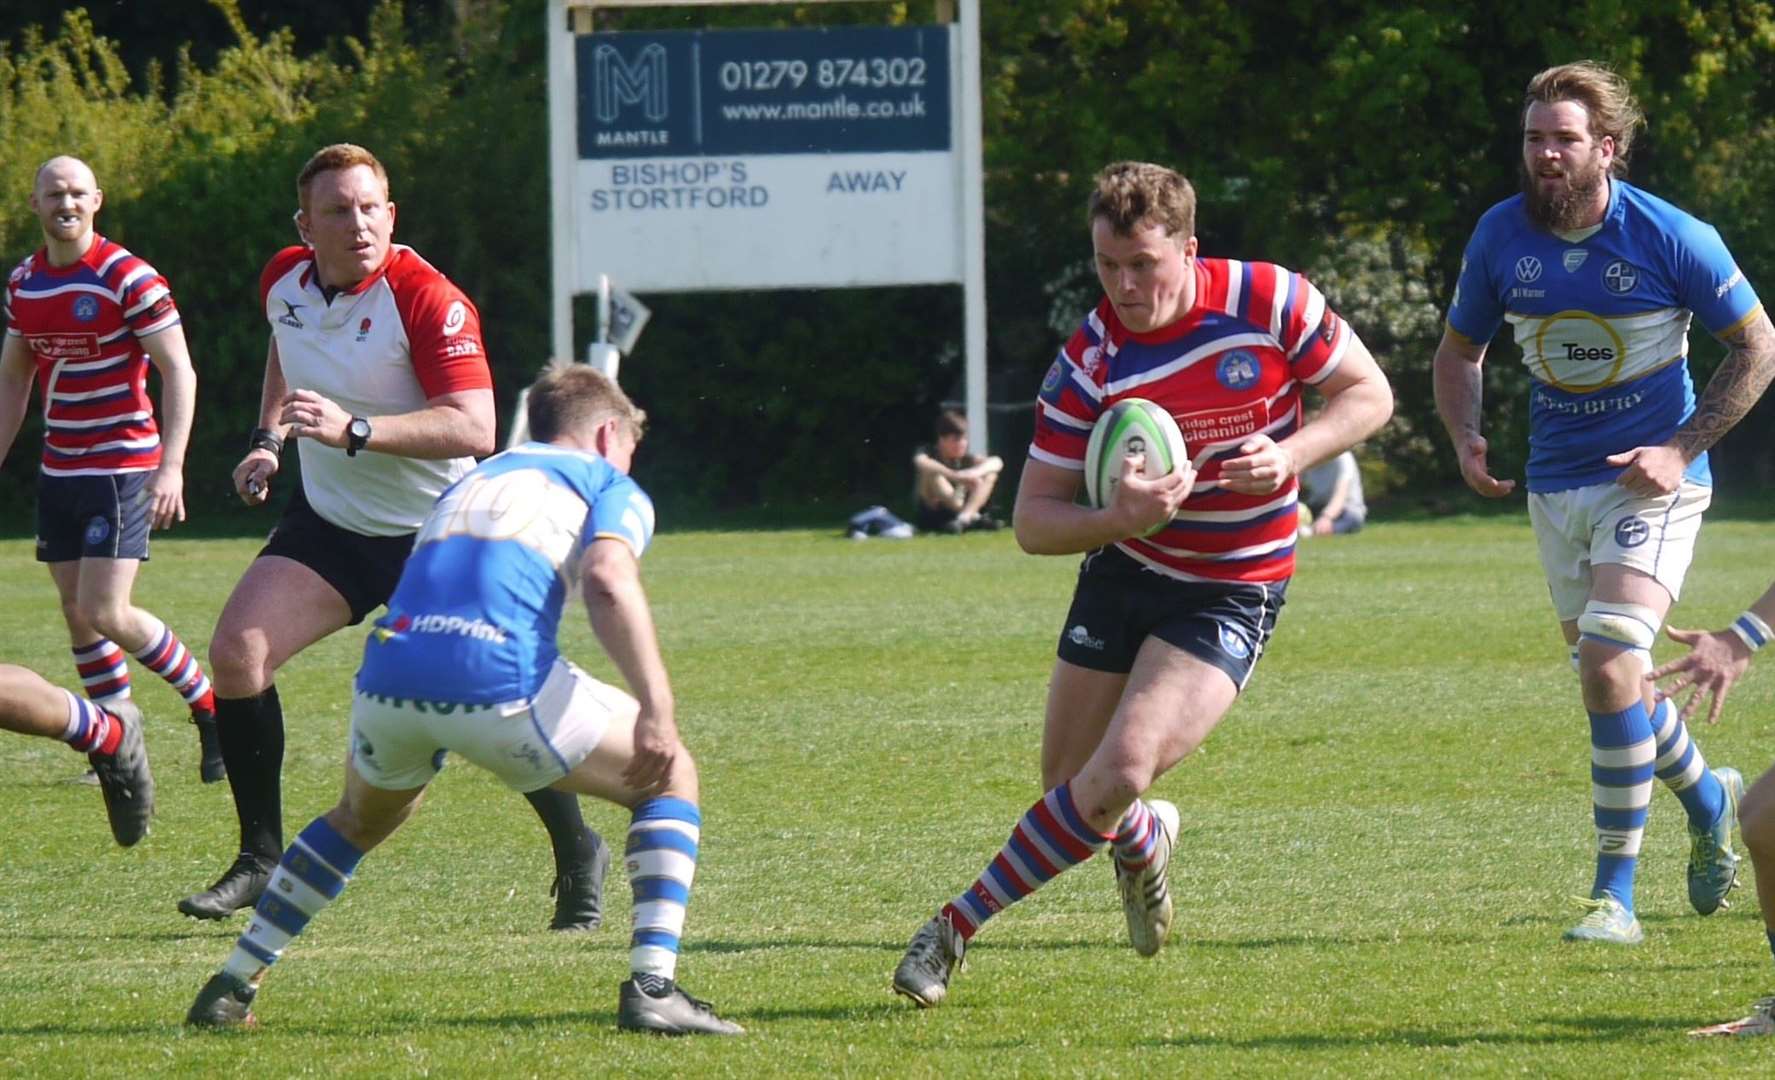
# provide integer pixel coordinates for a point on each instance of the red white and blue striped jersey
(1229, 369)
(83, 324)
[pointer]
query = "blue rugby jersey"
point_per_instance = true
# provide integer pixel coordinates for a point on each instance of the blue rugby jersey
(479, 603)
(1603, 325)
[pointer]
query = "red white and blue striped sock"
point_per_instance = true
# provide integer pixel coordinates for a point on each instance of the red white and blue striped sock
(91, 730)
(1137, 837)
(1050, 839)
(166, 656)
(104, 672)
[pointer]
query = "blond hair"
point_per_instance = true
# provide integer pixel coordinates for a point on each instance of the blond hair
(578, 398)
(1606, 98)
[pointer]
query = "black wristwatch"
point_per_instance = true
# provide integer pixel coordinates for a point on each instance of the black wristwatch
(265, 439)
(357, 433)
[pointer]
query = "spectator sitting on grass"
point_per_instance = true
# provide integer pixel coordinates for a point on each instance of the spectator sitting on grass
(953, 485)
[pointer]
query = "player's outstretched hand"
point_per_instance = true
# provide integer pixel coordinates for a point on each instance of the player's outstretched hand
(1471, 455)
(1650, 471)
(656, 748)
(1715, 661)
(252, 477)
(1261, 468)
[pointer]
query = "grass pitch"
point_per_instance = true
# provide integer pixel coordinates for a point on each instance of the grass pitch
(1376, 850)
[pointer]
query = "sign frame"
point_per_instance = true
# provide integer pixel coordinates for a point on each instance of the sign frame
(568, 19)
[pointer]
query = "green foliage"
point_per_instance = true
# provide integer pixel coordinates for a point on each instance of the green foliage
(1377, 846)
(1357, 142)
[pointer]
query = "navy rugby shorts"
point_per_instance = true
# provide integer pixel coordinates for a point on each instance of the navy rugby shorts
(92, 517)
(1118, 603)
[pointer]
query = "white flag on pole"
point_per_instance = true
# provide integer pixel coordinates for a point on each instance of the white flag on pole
(628, 316)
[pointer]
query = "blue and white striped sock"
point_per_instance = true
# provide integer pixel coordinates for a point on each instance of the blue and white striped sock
(1683, 769)
(660, 856)
(1621, 763)
(312, 873)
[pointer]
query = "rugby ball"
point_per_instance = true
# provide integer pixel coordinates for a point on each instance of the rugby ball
(1130, 426)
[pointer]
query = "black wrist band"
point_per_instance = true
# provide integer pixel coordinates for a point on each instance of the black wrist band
(265, 439)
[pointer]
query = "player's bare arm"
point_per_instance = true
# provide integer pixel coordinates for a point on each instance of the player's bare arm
(252, 477)
(17, 371)
(623, 623)
(1716, 660)
(1358, 400)
(171, 357)
(457, 424)
(1742, 378)
(1048, 520)
(1459, 394)
(1734, 389)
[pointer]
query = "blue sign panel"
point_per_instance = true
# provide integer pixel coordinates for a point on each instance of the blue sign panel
(734, 92)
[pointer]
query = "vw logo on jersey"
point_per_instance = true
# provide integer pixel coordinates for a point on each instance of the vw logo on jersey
(1237, 370)
(1528, 268)
(1632, 531)
(96, 530)
(1233, 642)
(86, 308)
(1619, 277)
(1573, 258)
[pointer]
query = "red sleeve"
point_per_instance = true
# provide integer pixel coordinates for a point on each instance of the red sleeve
(281, 263)
(443, 329)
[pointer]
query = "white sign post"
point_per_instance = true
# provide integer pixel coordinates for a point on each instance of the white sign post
(685, 161)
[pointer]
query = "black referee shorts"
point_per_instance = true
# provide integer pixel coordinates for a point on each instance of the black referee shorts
(362, 569)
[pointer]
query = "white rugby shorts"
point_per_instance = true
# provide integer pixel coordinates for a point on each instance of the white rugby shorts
(1605, 523)
(399, 743)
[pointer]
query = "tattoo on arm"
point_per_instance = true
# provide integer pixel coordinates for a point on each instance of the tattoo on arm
(1735, 387)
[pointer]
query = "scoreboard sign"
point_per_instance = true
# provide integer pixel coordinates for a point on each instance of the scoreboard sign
(751, 159)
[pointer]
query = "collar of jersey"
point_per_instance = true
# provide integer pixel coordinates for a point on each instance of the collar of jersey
(88, 260)
(311, 279)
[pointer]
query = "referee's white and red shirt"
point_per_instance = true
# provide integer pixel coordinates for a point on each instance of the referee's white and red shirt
(389, 344)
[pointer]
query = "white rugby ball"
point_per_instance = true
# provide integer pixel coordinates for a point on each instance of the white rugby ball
(1131, 426)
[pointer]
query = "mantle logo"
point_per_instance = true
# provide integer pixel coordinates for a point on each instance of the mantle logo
(616, 83)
